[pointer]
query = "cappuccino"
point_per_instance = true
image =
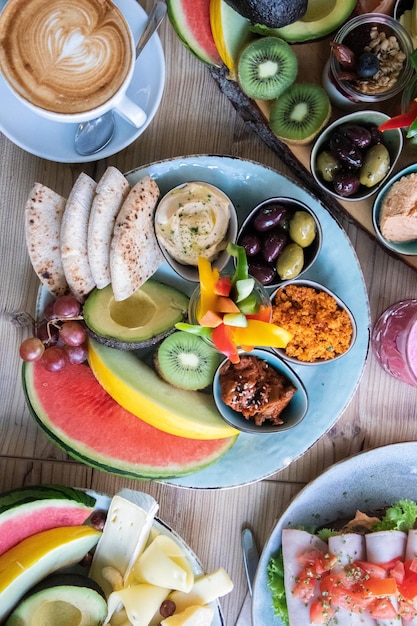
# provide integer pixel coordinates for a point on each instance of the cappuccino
(65, 56)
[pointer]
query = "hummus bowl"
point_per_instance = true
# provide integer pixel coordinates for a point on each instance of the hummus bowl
(191, 220)
(338, 320)
(401, 247)
(291, 415)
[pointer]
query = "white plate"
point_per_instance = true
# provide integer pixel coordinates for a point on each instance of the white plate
(103, 503)
(253, 458)
(55, 141)
(367, 481)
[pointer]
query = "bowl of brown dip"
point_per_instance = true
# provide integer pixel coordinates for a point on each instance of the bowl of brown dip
(191, 220)
(260, 394)
(395, 212)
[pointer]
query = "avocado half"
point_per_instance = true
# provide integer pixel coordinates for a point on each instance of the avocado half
(271, 13)
(143, 319)
(321, 18)
(65, 599)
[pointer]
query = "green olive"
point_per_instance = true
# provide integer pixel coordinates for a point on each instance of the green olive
(290, 261)
(375, 165)
(302, 228)
(327, 165)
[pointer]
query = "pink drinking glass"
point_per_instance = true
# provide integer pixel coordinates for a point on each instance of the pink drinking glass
(394, 341)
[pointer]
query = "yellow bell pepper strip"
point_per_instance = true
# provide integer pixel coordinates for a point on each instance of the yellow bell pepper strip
(222, 337)
(259, 333)
(208, 276)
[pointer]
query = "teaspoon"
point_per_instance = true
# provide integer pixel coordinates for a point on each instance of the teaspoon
(94, 135)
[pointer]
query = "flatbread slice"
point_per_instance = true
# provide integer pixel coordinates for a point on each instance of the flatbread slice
(111, 191)
(134, 252)
(74, 237)
(43, 216)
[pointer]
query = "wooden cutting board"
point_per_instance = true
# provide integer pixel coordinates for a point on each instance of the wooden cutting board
(312, 58)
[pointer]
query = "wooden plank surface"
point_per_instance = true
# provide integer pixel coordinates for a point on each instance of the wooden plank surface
(194, 118)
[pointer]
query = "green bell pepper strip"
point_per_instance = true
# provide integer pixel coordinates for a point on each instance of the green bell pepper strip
(242, 270)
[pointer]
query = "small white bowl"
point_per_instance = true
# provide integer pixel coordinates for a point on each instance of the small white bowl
(318, 287)
(407, 247)
(392, 139)
(292, 414)
(311, 252)
(190, 272)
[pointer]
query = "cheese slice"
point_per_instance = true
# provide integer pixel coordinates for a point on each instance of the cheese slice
(191, 616)
(206, 589)
(126, 531)
(140, 602)
(164, 563)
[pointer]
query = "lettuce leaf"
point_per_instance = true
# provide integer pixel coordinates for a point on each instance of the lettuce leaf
(275, 574)
(400, 516)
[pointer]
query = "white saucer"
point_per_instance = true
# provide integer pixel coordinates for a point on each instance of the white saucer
(55, 141)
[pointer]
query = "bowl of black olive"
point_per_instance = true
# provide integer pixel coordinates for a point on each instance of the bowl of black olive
(282, 238)
(352, 158)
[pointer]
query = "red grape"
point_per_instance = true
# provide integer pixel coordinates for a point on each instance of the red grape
(54, 359)
(66, 306)
(72, 333)
(76, 354)
(48, 311)
(31, 349)
(47, 333)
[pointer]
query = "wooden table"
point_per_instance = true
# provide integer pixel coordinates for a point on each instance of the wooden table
(194, 118)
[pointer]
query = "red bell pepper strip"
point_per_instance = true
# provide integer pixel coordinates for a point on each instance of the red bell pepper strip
(401, 121)
(222, 337)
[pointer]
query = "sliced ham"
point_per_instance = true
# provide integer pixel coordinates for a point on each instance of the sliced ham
(382, 547)
(411, 553)
(294, 543)
(348, 547)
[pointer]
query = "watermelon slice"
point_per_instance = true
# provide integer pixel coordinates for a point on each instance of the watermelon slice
(37, 509)
(76, 412)
(191, 21)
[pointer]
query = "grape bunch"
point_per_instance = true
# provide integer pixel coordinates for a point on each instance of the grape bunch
(60, 338)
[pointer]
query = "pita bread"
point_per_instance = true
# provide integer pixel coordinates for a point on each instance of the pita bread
(74, 237)
(111, 191)
(134, 250)
(43, 216)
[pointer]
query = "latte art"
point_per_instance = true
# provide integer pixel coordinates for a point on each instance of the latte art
(66, 56)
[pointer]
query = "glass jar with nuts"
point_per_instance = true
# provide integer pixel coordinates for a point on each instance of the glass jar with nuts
(369, 61)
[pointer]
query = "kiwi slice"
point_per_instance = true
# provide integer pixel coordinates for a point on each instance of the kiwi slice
(266, 67)
(186, 361)
(299, 114)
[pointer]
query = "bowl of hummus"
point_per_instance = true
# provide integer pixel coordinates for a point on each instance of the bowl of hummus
(394, 212)
(195, 219)
(260, 394)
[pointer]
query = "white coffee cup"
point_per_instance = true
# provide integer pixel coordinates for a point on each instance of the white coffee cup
(69, 61)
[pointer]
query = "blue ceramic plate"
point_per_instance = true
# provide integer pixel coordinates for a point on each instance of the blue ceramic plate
(54, 140)
(358, 483)
(247, 183)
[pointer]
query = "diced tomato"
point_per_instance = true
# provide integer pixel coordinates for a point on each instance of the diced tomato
(320, 612)
(406, 610)
(398, 572)
(412, 565)
(382, 608)
(305, 586)
(408, 585)
(318, 562)
(372, 569)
